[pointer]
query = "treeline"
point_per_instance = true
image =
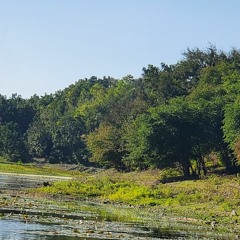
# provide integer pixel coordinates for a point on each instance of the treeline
(177, 114)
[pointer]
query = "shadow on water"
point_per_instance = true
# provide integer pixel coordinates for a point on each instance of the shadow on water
(18, 230)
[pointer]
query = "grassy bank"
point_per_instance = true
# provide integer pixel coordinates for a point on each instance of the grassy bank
(19, 168)
(213, 200)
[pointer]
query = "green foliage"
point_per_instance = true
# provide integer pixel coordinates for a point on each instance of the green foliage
(231, 127)
(173, 115)
(172, 133)
(136, 136)
(104, 144)
(12, 144)
(58, 139)
(160, 84)
(232, 122)
(16, 115)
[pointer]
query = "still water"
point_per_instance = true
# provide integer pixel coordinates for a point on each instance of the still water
(17, 230)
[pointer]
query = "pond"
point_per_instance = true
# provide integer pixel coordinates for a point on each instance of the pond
(24, 219)
(18, 230)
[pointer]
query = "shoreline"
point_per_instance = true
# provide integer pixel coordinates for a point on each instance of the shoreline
(36, 175)
(34, 209)
(177, 203)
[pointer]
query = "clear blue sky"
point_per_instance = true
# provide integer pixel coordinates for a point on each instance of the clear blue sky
(46, 45)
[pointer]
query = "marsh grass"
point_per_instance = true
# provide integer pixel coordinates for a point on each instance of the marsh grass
(213, 198)
(210, 199)
(139, 196)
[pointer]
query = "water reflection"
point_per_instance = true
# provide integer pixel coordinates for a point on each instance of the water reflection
(17, 230)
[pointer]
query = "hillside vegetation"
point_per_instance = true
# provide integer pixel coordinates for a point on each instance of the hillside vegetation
(182, 115)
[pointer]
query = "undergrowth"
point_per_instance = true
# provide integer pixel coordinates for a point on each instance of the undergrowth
(213, 198)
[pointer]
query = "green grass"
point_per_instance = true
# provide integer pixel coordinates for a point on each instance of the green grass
(210, 199)
(19, 168)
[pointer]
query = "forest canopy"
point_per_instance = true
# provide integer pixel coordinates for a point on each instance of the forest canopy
(173, 115)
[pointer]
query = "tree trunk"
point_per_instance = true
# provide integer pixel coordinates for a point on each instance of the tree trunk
(186, 168)
(228, 161)
(203, 166)
(227, 158)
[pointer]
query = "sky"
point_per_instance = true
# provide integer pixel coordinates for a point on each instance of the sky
(46, 45)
